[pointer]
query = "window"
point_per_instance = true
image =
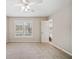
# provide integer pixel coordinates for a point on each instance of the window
(19, 30)
(23, 28)
(27, 29)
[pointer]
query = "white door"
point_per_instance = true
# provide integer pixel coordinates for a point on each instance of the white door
(44, 31)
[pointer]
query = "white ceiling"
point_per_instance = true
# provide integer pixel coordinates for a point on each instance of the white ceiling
(46, 8)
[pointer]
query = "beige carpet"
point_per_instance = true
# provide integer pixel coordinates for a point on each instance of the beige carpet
(33, 51)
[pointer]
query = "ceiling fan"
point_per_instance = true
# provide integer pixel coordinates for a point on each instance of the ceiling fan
(26, 4)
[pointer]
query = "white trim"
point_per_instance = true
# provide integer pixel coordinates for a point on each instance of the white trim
(60, 48)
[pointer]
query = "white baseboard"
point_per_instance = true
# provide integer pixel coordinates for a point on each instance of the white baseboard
(60, 48)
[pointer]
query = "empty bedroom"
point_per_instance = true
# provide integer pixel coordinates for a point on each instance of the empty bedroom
(39, 29)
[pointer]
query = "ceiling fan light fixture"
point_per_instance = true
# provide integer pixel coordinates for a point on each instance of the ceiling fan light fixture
(28, 7)
(26, 4)
(26, 10)
(22, 7)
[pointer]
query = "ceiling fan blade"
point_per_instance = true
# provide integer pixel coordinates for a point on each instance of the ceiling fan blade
(31, 3)
(25, 1)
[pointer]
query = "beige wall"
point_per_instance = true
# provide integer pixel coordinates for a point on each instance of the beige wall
(62, 29)
(36, 29)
